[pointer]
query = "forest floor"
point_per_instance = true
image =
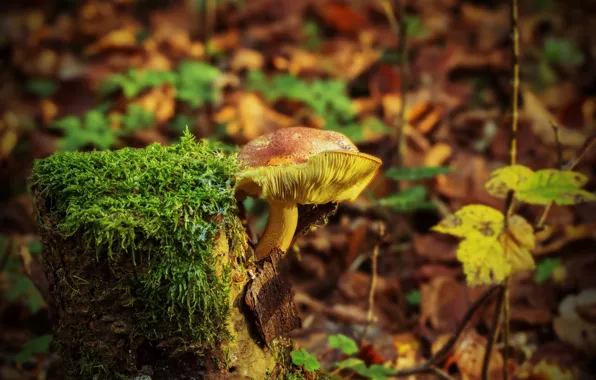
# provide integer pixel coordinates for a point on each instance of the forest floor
(107, 74)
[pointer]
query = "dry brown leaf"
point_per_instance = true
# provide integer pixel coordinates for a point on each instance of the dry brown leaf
(247, 59)
(341, 17)
(443, 303)
(438, 154)
(251, 118)
(349, 60)
(225, 41)
(468, 354)
(542, 120)
(49, 110)
(160, 101)
(571, 325)
(117, 39)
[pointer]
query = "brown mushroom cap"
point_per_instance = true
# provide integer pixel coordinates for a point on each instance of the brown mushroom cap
(292, 145)
(304, 165)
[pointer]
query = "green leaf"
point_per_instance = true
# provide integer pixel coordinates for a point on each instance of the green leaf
(545, 269)
(343, 343)
(407, 200)
(415, 173)
(352, 363)
(304, 358)
(41, 87)
(24, 290)
(414, 297)
(415, 27)
(563, 187)
(37, 345)
(377, 372)
(35, 247)
(562, 51)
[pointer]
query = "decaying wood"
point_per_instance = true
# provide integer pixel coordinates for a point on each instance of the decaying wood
(269, 297)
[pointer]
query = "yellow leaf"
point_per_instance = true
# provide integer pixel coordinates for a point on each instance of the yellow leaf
(488, 253)
(483, 261)
(505, 179)
(472, 220)
(562, 187)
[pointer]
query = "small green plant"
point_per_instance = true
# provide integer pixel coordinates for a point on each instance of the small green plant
(193, 81)
(346, 346)
(43, 88)
(327, 98)
(95, 128)
(413, 198)
(545, 269)
(414, 297)
(39, 345)
(20, 288)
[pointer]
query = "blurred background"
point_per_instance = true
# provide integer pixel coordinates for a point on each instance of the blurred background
(105, 74)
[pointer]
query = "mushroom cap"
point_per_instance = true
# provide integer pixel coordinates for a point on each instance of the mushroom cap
(304, 165)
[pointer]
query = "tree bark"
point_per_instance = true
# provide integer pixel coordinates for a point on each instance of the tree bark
(93, 330)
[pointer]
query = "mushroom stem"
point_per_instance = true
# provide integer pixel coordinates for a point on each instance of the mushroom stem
(280, 229)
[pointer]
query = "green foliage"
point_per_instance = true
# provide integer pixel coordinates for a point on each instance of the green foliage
(561, 51)
(415, 27)
(195, 83)
(41, 87)
(414, 297)
(37, 345)
(180, 123)
(20, 287)
(95, 128)
(545, 269)
(327, 98)
(134, 119)
(304, 358)
(154, 207)
(410, 199)
(135, 81)
(415, 173)
(348, 347)
(343, 343)
(92, 129)
(312, 35)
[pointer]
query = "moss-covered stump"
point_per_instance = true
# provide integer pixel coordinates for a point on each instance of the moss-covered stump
(146, 261)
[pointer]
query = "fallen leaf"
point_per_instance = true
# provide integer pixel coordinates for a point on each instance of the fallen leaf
(444, 303)
(542, 120)
(571, 327)
(117, 39)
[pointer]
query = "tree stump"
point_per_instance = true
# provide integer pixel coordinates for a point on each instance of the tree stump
(147, 264)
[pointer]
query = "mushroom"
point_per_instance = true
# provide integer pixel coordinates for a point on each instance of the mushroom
(298, 165)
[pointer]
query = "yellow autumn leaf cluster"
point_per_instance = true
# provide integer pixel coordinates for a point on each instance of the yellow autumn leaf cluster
(490, 252)
(542, 187)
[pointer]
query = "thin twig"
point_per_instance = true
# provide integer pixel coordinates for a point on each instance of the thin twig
(440, 355)
(440, 373)
(506, 315)
(403, 70)
(558, 145)
(373, 282)
(515, 95)
(581, 153)
(494, 331)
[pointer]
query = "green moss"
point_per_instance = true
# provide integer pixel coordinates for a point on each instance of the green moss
(156, 209)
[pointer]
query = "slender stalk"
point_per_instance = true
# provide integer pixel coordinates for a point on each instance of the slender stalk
(515, 95)
(506, 316)
(280, 229)
(373, 283)
(494, 332)
(403, 69)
